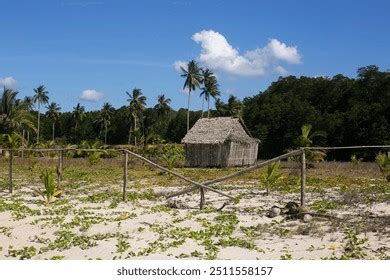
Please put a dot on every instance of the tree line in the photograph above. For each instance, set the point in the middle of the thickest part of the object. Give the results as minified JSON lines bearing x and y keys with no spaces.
{"x":349,"y":111}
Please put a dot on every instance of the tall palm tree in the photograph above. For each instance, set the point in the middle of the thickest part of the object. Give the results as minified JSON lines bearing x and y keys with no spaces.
{"x":29,"y":103}
{"x":105,"y":119}
{"x":53,"y":112}
{"x":78,"y":115}
{"x":193,"y":80}
{"x":162,"y":107}
{"x":210,"y":89}
{"x":41,"y":98}
{"x":137,"y":103}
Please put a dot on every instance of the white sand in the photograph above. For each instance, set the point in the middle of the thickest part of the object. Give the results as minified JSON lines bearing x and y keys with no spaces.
{"x":274,"y":238}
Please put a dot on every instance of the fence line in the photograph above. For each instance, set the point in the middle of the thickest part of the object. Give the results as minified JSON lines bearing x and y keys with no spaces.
{"x":126,"y":152}
{"x":240,"y":172}
{"x":347,"y":147}
{"x":197,"y":185}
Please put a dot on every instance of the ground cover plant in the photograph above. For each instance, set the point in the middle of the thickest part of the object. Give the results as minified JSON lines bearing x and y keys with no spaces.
{"x":90,"y":221}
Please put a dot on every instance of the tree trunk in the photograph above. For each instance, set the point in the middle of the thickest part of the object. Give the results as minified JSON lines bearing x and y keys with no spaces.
{"x":208,"y":108}
{"x":202,"y":105}
{"x":53,"y":131}
{"x":39,"y":120}
{"x":188,"y":109}
{"x":23,"y":140}
{"x":135,"y":128}
{"x":129,"y":139}
{"x":105,"y":134}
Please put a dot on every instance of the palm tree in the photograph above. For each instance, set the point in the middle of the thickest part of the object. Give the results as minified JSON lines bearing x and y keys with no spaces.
{"x":193,"y":80}
{"x":105,"y":119}
{"x":53,"y":112}
{"x":210,"y":89}
{"x":78,"y":115}
{"x":14,"y":115}
{"x":8,"y":99}
{"x":29,"y":102}
{"x":162,"y":110}
{"x":272,"y":175}
{"x":306,"y":138}
{"x":234,"y":106}
{"x":162,"y":107}
{"x":137,"y":103}
{"x":41,"y":98}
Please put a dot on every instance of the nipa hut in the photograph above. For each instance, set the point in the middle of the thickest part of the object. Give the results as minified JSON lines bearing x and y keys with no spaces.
{"x":219,"y":142}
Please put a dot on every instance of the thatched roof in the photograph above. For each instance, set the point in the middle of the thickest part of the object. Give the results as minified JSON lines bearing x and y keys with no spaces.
{"x":218,"y":130}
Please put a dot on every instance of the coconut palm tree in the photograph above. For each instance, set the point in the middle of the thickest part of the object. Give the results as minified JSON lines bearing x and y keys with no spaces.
{"x":137,"y":103}
{"x":8,"y":100}
{"x":193,"y":80}
{"x":105,"y":119}
{"x":306,"y":140}
{"x":53,"y":112}
{"x":78,"y":115}
{"x":210,"y":89}
{"x":29,"y":103}
{"x":307,"y":136}
{"x":162,"y":110}
{"x":234,"y":106}
{"x":162,"y":107}
{"x":14,"y":114}
{"x":41,"y":98}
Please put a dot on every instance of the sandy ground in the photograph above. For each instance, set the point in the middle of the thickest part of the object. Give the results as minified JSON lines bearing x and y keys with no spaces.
{"x":82,"y":227}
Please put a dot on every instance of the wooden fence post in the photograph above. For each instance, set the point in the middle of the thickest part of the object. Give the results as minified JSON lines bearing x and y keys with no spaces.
{"x":202,"y":198}
{"x":11,"y":159}
{"x":303,"y":177}
{"x":125,"y":174}
{"x":60,"y":165}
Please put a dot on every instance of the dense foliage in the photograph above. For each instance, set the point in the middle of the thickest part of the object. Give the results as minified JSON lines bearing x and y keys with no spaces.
{"x":343,"y":111}
{"x":350,"y":111}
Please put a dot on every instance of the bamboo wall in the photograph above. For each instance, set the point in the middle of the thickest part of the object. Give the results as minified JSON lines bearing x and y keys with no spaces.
{"x":220,"y":155}
{"x":242,"y":154}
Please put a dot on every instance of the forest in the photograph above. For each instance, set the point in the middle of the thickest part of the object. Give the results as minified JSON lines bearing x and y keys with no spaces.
{"x":350,"y":111}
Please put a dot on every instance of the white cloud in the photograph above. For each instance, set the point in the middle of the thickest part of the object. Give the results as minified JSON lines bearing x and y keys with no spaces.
{"x":282,"y":52}
{"x":281,"y":71}
{"x":91,"y":95}
{"x":178,"y":64}
{"x":7,"y":82}
{"x":218,"y":54}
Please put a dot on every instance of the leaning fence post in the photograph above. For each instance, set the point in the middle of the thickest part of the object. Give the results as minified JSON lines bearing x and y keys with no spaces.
{"x":303,"y":176}
{"x":11,"y":159}
{"x":202,"y":198}
{"x":125,"y":174}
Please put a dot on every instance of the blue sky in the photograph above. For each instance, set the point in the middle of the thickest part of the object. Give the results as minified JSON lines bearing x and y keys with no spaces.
{"x":110,"y":47}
